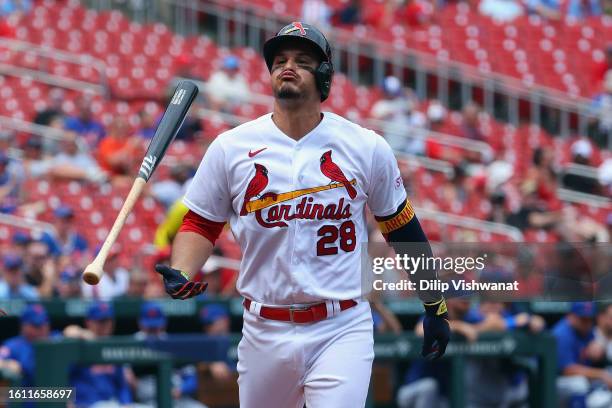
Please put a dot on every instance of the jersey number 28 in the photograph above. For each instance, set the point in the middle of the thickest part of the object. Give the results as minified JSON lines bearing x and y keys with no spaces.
{"x":329,"y":235}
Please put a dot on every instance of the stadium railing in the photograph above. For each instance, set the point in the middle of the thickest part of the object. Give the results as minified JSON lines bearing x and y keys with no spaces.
{"x":187,"y":348}
{"x":24,"y":223}
{"x":41,"y":72}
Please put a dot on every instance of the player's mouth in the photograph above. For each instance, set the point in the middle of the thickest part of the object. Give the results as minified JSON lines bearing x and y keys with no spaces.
{"x":287,"y":75}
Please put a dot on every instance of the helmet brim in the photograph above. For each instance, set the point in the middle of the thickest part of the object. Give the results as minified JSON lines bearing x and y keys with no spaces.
{"x":272,"y":46}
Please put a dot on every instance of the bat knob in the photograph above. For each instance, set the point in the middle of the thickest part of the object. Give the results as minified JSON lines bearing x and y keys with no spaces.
{"x":92,"y":274}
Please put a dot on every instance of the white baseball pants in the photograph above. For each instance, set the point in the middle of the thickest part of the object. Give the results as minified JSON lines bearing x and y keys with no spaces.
{"x":326,"y":364}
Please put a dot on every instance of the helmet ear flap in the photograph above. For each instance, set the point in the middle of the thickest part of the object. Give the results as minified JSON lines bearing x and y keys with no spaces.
{"x":323,"y":77}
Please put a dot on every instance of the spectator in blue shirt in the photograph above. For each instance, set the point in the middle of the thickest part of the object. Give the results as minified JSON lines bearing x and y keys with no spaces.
{"x":152,"y":325}
{"x":148,"y":124}
{"x":17,"y":353}
{"x":549,"y":9}
{"x":84,"y":123}
{"x":580,"y":9}
{"x":12,"y":283}
{"x":67,"y":241}
{"x":578,"y":375}
{"x":492,"y":382}
{"x":8,"y":7}
{"x":104,"y":384}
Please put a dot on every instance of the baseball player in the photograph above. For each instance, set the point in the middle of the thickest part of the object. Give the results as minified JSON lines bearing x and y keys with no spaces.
{"x":294,"y":185}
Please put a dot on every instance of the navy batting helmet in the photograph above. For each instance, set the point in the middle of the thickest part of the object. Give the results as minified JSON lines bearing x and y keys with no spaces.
{"x":309,"y":34}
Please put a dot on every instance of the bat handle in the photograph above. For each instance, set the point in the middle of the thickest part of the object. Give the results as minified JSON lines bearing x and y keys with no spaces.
{"x":93,"y":272}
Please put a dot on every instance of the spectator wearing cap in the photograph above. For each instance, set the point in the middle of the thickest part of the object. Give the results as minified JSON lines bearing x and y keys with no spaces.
{"x":84,"y":123}
{"x":397,"y":109}
{"x":582,"y":152}
{"x":100,"y":319}
{"x":12,"y":282}
{"x":17,"y":353}
{"x":113,"y":283}
{"x":104,"y":384}
{"x":577,"y":372}
{"x":20,"y":241}
{"x":215,"y":319}
{"x":215,"y":322}
{"x":68,"y":286}
{"x":66,"y":241}
{"x":227,"y":88}
{"x":152,"y":324}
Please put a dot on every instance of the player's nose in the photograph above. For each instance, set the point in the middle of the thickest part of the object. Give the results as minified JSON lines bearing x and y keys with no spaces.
{"x":289,"y":64}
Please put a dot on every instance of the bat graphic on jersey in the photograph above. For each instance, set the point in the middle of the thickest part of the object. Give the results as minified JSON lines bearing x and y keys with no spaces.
{"x":256,"y":186}
{"x":168,"y":127}
{"x":266,"y":202}
{"x":332,"y":171}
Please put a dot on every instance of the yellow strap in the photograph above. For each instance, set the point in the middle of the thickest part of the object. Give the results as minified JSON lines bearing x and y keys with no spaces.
{"x":399,"y":220}
{"x":441,"y":306}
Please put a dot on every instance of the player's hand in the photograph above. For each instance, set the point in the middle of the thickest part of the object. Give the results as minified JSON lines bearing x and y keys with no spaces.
{"x":177,"y":284}
{"x":436,"y":330}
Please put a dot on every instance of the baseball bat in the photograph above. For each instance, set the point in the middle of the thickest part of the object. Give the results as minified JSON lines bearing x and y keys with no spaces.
{"x":166,"y":131}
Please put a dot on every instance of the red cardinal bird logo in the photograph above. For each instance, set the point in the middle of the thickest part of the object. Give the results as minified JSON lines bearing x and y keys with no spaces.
{"x":256,"y":186}
{"x":331,"y":170}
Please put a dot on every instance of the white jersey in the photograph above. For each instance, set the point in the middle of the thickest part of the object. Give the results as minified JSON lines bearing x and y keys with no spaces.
{"x":297,"y":208}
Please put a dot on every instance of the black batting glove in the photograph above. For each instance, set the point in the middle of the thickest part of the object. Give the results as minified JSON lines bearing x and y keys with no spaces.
{"x":177,"y":284}
{"x":436,"y":330}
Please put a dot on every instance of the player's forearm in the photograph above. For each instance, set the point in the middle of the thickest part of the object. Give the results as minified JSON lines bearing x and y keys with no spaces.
{"x":190,"y":251}
{"x":403,"y":232}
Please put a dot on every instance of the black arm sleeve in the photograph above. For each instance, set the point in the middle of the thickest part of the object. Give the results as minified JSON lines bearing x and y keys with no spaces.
{"x":410,"y":241}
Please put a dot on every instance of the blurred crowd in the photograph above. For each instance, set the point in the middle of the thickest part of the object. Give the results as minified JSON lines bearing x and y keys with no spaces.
{"x":584,"y":358}
{"x":486,"y":184}
{"x":383,"y":13}
{"x":108,"y":385}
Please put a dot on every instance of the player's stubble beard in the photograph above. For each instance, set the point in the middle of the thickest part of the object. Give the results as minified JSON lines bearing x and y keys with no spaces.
{"x":288,"y":94}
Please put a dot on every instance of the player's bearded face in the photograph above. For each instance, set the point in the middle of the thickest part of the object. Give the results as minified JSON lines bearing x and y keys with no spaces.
{"x":293,"y":73}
